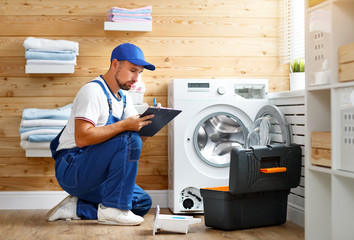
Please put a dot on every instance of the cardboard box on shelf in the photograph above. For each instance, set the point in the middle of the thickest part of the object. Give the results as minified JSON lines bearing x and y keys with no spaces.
{"x":321,"y":149}
{"x":315,"y":2}
{"x":346,"y":63}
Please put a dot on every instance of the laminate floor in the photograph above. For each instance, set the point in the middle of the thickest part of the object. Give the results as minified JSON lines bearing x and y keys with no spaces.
{"x":30,"y":224}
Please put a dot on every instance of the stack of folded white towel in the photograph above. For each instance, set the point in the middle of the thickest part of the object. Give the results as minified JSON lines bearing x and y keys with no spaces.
{"x":40,"y":126}
{"x":117,"y":14}
{"x":40,"y":51}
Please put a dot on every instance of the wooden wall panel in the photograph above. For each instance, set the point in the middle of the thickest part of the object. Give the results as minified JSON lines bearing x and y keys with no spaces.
{"x":166,"y":26}
{"x":190,"y":39}
{"x":172,"y":46}
{"x":224,"y":8}
{"x":41,"y":183}
{"x":210,"y":67}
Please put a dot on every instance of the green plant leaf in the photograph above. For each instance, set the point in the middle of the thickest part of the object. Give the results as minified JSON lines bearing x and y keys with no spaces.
{"x":297,"y":65}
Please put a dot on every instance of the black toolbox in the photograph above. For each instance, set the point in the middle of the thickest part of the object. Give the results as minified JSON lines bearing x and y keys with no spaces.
{"x":259,"y":185}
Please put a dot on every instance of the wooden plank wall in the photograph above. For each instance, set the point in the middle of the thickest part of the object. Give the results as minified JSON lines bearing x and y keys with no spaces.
{"x":190,"y":39}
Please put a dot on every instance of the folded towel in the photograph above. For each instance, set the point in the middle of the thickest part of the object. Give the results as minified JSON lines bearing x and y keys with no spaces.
{"x":24,"y":136}
{"x":51,"y":45}
{"x":34,"y":145}
{"x":27,"y":129}
{"x":41,"y":137}
{"x":128,"y":17}
{"x":43,"y":123}
{"x":50,"y":62}
{"x":112,"y":14}
{"x":50,"y":51}
{"x":147,"y":9}
{"x":127,"y":20}
{"x":62,"y":113}
{"x":50,"y":56}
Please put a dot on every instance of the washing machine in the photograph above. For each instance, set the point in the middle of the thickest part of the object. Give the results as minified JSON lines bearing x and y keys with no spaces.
{"x":216,"y":117}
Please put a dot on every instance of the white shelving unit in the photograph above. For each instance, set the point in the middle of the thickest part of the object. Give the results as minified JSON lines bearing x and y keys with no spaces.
{"x":329,"y":192}
{"x":128,"y":26}
{"x":38,"y":153}
{"x":40,"y":69}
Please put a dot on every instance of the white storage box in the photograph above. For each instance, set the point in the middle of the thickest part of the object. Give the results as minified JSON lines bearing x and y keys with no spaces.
{"x":347,"y":139}
{"x":320,"y":46}
{"x":137,"y":93}
{"x":138,"y":97}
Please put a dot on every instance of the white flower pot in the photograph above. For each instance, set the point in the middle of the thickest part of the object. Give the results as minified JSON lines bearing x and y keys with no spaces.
{"x":297,"y":81}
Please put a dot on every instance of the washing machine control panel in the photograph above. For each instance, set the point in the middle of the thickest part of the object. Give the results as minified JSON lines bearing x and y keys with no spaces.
{"x":205,"y":87}
{"x":218,"y":89}
{"x":221,"y":90}
{"x":198,"y":87}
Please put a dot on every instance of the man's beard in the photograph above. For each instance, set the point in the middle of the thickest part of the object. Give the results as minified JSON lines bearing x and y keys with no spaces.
{"x":123,"y":86}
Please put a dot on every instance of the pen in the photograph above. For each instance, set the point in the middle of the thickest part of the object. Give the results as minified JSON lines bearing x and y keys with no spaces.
{"x":155,"y":103}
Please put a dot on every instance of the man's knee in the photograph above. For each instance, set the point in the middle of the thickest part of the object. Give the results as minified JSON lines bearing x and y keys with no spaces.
{"x":128,"y":139}
{"x":135,"y":140}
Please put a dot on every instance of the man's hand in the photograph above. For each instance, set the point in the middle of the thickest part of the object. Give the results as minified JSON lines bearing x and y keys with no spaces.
{"x":135,"y":123}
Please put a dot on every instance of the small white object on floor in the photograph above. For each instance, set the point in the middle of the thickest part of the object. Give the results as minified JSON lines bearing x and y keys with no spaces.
{"x":172,"y":223}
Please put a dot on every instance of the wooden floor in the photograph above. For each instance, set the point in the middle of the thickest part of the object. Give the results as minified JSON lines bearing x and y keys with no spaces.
{"x":30,"y":224}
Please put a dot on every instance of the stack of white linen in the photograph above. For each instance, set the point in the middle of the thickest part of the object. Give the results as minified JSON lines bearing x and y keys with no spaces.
{"x":40,"y":51}
{"x":40,"y":126}
{"x":117,"y":14}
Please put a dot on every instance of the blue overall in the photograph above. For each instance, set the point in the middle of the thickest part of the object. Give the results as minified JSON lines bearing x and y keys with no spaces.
{"x":103,"y":173}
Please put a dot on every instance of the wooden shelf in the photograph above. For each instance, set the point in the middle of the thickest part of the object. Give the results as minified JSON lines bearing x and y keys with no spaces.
{"x":128,"y":26}
{"x":38,"y":69}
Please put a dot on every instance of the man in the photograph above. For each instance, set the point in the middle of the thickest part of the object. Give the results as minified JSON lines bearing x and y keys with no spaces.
{"x":98,"y":151}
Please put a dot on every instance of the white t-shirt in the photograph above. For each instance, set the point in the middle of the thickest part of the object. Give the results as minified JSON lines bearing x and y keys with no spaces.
{"x":91,"y":104}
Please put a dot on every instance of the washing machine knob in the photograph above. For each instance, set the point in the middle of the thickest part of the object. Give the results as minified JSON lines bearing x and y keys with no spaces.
{"x":188,"y":203}
{"x":221,"y":90}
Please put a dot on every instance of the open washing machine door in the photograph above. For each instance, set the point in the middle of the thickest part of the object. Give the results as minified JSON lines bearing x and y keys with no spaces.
{"x":216,"y":135}
{"x":270,"y":127}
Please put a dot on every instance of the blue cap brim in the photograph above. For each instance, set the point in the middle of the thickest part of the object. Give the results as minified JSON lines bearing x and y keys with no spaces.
{"x":143,"y":63}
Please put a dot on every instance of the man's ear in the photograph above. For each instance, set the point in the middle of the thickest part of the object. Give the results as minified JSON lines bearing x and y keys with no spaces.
{"x":115,"y":63}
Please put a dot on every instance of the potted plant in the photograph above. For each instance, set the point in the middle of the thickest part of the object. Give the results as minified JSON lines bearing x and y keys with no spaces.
{"x":297,"y":74}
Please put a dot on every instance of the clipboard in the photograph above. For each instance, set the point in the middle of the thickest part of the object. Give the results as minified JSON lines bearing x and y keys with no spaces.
{"x":162,"y":117}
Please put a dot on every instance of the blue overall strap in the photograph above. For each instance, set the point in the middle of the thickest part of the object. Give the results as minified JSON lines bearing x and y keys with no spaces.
{"x":109,"y":99}
{"x":124,"y":100}
{"x":55,"y":143}
{"x":106,"y":93}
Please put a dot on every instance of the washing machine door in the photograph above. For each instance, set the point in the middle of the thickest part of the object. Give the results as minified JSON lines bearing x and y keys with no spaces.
{"x":270,"y":127}
{"x":216,"y":135}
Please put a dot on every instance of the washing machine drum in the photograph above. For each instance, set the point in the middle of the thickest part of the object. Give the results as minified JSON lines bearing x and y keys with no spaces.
{"x":216,"y":135}
{"x":270,"y":127}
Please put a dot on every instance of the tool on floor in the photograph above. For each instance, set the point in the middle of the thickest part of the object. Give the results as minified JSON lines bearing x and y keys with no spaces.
{"x":172,"y":223}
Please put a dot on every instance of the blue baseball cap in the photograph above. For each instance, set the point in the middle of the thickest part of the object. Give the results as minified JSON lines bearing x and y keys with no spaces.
{"x":131,"y":53}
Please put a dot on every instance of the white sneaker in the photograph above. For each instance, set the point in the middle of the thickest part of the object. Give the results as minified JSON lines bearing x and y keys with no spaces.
{"x":65,"y":210}
{"x":115,"y":216}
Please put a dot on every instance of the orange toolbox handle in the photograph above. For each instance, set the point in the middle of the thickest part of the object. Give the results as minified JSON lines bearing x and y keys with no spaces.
{"x":273,"y":170}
